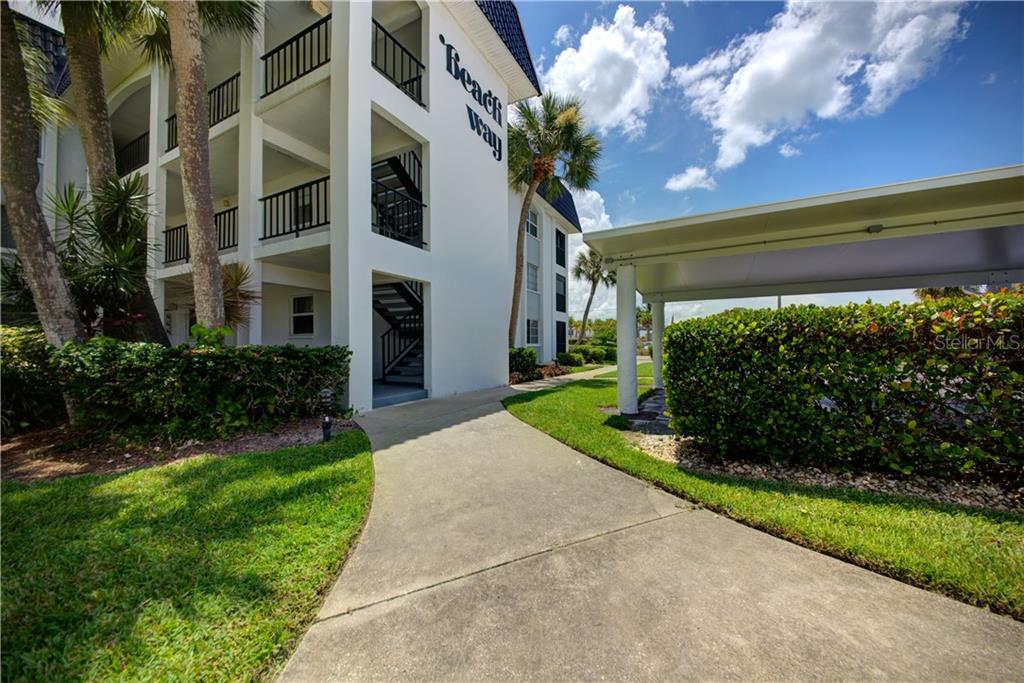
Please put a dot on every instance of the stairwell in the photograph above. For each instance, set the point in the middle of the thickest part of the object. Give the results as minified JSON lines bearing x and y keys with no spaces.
{"x":400,"y":304}
{"x":397,"y":198}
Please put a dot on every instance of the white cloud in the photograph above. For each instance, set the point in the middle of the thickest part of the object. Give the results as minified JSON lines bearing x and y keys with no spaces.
{"x":991,"y":78}
{"x":827,"y":60}
{"x":593,"y":216}
{"x":563,"y":36}
{"x":692,"y":178}
{"x":788,"y":150}
{"x":616,"y":69}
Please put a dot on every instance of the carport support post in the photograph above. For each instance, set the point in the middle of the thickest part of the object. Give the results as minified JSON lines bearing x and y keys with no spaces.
{"x":657,"y":332}
{"x":625,"y":332}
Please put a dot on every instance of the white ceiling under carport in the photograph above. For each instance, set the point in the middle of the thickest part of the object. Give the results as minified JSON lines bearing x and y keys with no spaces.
{"x":961,"y":229}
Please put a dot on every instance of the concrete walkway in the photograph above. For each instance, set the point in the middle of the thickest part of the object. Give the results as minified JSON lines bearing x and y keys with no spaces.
{"x":495,"y":552}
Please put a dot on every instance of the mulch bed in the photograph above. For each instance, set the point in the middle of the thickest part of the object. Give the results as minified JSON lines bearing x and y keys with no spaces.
{"x":61,"y":451}
{"x":684,"y":453}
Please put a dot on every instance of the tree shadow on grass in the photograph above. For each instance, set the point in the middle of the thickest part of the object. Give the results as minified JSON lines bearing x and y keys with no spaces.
{"x":105,"y":572}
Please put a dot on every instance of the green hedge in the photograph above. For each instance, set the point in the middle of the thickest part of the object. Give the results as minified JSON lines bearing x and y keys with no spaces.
{"x":30,"y":396}
{"x":572,"y":360}
{"x":184,"y":392}
{"x":934,"y":387}
{"x":522,"y":360}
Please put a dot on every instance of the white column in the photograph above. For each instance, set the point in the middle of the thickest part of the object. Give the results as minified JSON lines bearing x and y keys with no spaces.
{"x":156,"y":177}
{"x":351,"y":276}
{"x":250,"y":177}
{"x":657,"y":332}
{"x":625,"y":327}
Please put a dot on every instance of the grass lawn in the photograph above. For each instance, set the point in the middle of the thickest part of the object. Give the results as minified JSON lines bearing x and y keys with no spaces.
{"x":642,"y":370}
{"x":582,"y":368}
{"x":974,"y":555}
{"x":209,"y":568}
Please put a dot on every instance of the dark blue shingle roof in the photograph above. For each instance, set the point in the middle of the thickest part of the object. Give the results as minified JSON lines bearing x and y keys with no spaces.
{"x":563,"y":205}
{"x":504,"y":17}
{"x":51,"y":44}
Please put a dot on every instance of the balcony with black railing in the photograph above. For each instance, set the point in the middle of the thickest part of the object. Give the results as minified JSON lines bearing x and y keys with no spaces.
{"x":133,"y":155}
{"x":222,"y":102}
{"x":176,"y":238}
{"x":397,"y":63}
{"x":297,"y":209}
{"x":297,"y":56}
{"x":397,"y":214}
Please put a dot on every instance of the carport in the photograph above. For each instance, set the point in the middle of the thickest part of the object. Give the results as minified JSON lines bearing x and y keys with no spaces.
{"x":963,"y":229}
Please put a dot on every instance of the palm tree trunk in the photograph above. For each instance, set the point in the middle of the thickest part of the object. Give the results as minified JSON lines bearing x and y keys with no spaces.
{"x":586,"y":311}
{"x":84,"y":62}
{"x":19,"y":176}
{"x":85,"y":67}
{"x":517,"y":283}
{"x":193,"y":141}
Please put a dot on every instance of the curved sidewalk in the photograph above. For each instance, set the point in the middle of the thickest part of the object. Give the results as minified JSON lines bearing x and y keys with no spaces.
{"x":495,"y":552}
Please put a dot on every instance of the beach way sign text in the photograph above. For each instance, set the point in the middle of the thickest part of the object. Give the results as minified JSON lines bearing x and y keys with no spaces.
{"x":488,"y":100}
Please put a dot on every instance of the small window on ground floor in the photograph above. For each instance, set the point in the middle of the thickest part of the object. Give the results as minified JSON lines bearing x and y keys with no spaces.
{"x":302,"y":315}
{"x":532,"y":331}
{"x":560,"y":336}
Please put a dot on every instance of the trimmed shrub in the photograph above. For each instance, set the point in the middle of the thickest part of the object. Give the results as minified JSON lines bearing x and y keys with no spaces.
{"x":608,"y":355}
{"x":591,"y":354}
{"x":522,"y":360}
{"x":30,"y":396}
{"x":201,"y":392}
{"x":935,"y":387}
{"x":571,"y":360}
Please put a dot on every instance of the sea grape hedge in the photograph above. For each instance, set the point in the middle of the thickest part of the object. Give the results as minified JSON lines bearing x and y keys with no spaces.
{"x":934,"y":387}
{"x":202,"y":392}
{"x":30,"y":396}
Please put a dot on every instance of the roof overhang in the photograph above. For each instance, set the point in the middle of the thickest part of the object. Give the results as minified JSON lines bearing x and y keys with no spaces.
{"x":563,"y":224}
{"x":473,"y":21}
{"x":960,"y":229}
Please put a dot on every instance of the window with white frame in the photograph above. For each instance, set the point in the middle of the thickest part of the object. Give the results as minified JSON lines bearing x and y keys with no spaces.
{"x":533,"y":224}
{"x":532,"y":332}
{"x":532,"y":277}
{"x":302,"y":316}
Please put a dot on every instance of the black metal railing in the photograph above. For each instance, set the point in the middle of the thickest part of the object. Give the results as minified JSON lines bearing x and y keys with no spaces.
{"x":176,"y":244}
{"x":399,"y":340}
{"x":296,"y":209}
{"x":133,"y":155}
{"x":297,"y":56}
{"x":396,"y":214}
{"x":398,"y":65}
{"x":410,"y":161}
{"x":176,"y":238}
{"x":222,"y":102}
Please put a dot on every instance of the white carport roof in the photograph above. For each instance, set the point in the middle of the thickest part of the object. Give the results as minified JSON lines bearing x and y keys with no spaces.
{"x":953,"y":230}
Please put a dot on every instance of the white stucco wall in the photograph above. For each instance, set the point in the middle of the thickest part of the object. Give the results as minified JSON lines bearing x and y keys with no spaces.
{"x":465,"y":265}
{"x":277,"y":311}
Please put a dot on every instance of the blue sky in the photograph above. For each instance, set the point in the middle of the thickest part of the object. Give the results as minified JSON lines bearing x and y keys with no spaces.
{"x":707,"y":106}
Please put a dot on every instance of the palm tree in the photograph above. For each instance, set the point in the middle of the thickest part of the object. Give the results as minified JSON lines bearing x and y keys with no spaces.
{"x":91,"y":29}
{"x":644,"y":318}
{"x":86,"y":27}
{"x":193,"y":141}
{"x":589,"y":267}
{"x":547,"y":143}
{"x":19,"y":175}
